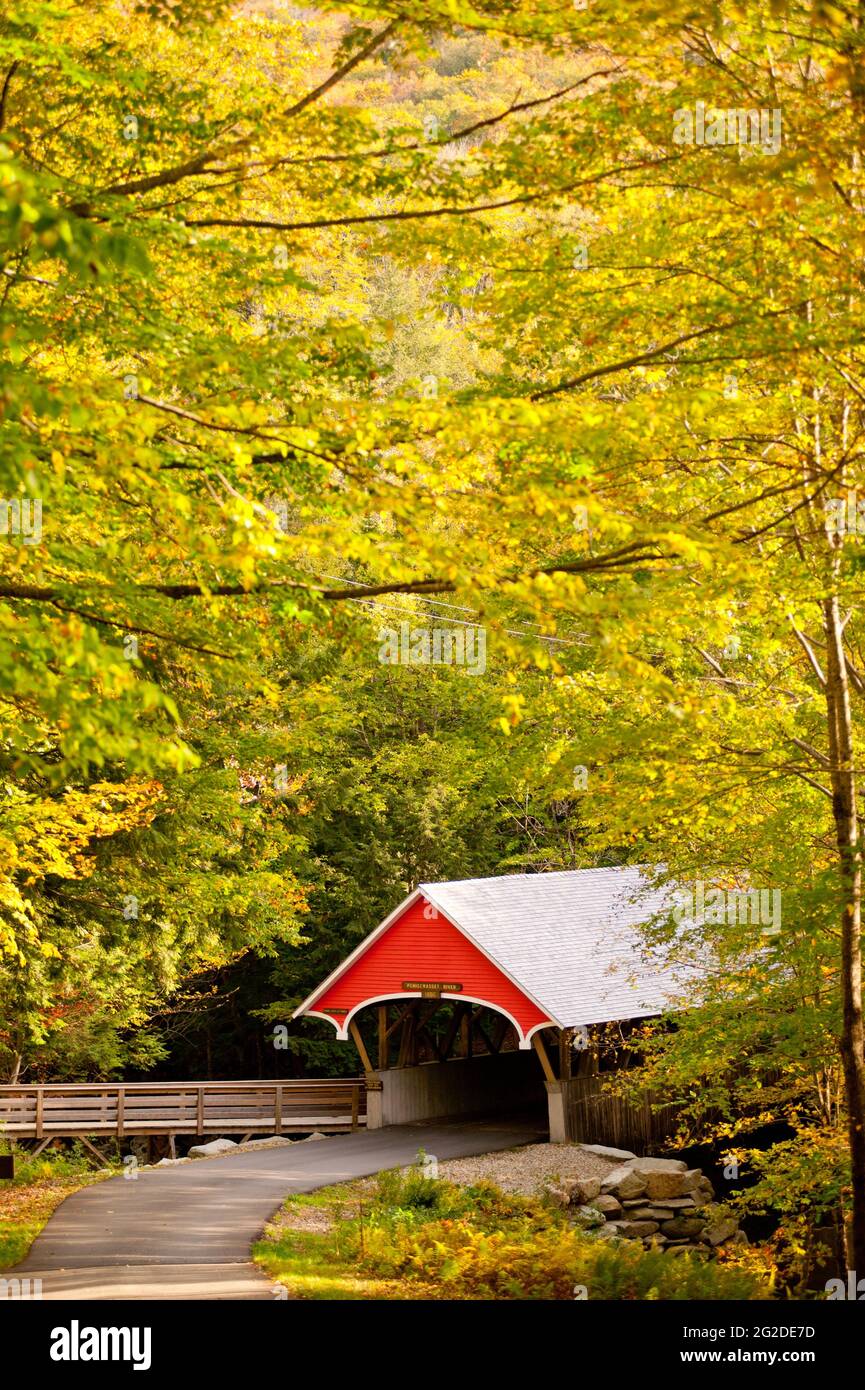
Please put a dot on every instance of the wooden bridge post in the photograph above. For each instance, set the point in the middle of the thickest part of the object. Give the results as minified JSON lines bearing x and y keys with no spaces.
{"x":557,"y":1098}
{"x":374,"y":1100}
{"x":383,"y":1037}
{"x":538,"y":1045}
{"x":566,"y":1038}
{"x":359,"y":1044}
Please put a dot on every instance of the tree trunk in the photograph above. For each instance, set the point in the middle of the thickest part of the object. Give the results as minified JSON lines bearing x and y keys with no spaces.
{"x":849,"y":851}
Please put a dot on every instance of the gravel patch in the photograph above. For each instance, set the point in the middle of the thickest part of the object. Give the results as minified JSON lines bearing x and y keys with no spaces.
{"x":526,"y":1169}
{"x":302,"y":1217}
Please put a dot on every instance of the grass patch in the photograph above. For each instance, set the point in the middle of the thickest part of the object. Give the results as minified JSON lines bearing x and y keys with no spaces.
{"x":406,"y":1236}
{"x":309,"y":1247}
{"x":38,"y":1188}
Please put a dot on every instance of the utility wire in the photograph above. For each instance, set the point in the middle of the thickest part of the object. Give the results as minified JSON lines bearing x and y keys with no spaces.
{"x":459,"y":608}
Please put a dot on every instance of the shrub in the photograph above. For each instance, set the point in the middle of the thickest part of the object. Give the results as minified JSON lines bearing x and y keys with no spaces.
{"x":481,"y":1243}
{"x":70,"y":1162}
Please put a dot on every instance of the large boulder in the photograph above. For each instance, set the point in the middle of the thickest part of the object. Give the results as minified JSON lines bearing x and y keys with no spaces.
{"x":660,"y":1186}
{"x":214,"y":1146}
{"x":682,"y":1227}
{"x":602,"y":1151}
{"x":698,"y":1185}
{"x":636,"y":1230}
{"x":273,"y":1141}
{"x":589,"y":1218}
{"x":584,"y":1190}
{"x":720,"y":1230}
{"x":665,"y":1177}
{"x":659,"y":1165}
{"x":608,"y":1204}
{"x":644,"y":1213}
{"x":623,"y":1182}
{"x":558,"y":1194}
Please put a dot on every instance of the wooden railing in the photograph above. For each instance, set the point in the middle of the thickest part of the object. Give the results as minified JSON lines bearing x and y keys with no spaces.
{"x":181,"y":1107}
{"x":595,"y":1116}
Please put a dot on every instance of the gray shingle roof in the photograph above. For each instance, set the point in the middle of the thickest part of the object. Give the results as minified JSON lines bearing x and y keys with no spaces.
{"x":569,"y":939}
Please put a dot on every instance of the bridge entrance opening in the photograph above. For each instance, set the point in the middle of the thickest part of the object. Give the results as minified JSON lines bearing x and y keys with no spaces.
{"x":430,"y":1057}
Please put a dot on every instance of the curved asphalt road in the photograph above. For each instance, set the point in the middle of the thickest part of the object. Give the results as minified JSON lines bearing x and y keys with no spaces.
{"x":186,"y":1232}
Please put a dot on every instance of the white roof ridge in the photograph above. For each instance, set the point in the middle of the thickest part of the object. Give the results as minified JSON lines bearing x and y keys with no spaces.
{"x":642,"y":869}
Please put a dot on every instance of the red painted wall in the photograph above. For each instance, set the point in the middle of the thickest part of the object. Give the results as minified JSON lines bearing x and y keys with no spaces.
{"x":423,"y":949}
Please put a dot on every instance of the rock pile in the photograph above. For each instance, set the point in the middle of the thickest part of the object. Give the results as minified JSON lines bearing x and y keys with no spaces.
{"x":660,"y":1201}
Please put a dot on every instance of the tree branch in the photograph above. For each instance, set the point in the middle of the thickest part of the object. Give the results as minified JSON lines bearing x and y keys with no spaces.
{"x":375,"y":42}
{"x":13,"y":68}
{"x":809,"y":652}
{"x":715,"y":666}
{"x":636,"y":553}
{"x":410,"y":215}
{"x":814,"y":752}
{"x":650,"y":354}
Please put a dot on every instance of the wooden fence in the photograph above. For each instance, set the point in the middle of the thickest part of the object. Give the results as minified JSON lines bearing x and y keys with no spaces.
{"x":594,"y":1116}
{"x":181,"y":1107}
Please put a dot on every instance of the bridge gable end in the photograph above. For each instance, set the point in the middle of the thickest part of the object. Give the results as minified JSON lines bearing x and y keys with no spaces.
{"x":422,"y":954}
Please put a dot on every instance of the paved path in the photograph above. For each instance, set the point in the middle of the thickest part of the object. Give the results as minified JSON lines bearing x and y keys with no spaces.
{"x":186,"y":1232}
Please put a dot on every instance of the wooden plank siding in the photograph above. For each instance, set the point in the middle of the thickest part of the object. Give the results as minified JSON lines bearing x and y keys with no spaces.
{"x":593,"y":1115}
{"x":183,"y":1107}
{"x":417,"y":947}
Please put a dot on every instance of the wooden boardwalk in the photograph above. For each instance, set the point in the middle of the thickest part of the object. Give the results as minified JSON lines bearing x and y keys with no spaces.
{"x":126,"y":1109}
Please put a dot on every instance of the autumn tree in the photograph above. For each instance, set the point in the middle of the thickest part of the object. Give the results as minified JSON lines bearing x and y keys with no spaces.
{"x":236,"y":251}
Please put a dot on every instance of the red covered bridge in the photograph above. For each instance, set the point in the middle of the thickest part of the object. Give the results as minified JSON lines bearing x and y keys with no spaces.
{"x":456,"y":989}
